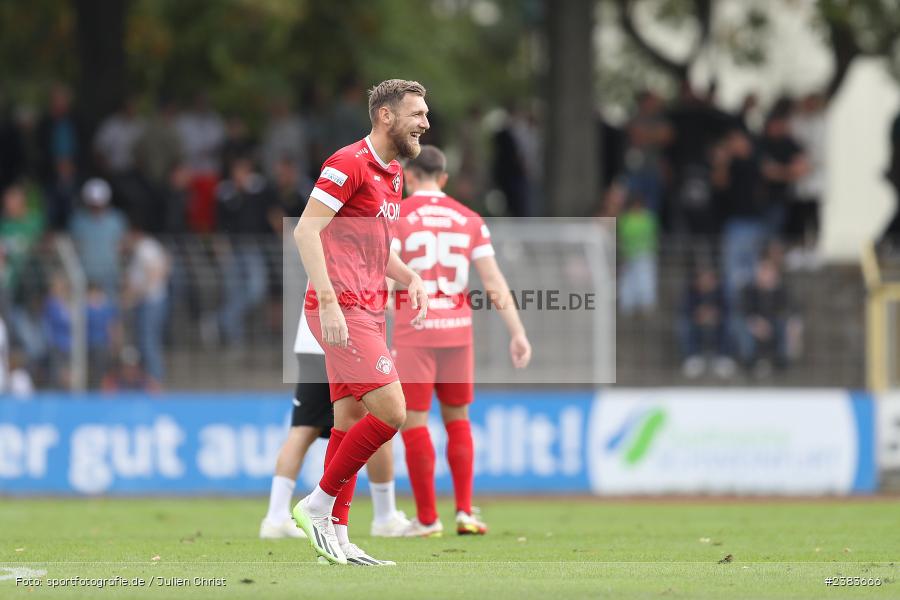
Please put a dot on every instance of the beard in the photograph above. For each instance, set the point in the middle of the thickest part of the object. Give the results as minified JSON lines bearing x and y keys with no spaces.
{"x":401,"y":140}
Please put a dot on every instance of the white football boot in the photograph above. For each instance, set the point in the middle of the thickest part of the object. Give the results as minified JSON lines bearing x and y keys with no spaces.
{"x":417,"y":529}
{"x":320,"y":531}
{"x":469,"y":524}
{"x":357,"y":556}
{"x":276,"y":531}
{"x":393,"y":527}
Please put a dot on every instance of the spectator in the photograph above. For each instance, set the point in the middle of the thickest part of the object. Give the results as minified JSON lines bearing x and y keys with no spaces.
{"x":158,"y":150}
{"x":57,"y":324}
{"x":238,"y":141}
{"x":516,"y":163}
{"x":21,"y":385}
{"x":14,"y":380}
{"x":292,"y":190}
{"x":703,"y":326}
{"x":696,"y":126}
{"x":116,"y":140}
{"x":348,"y":116}
{"x":127,"y":375}
{"x":613,"y":201}
{"x":285,"y":136}
{"x":748,"y":115}
{"x":147,"y":291}
{"x":27,"y":323}
{"x":115,"y":147}
{"x":176,"y":196}
{"x":103,"y":333}
{"x":809,"y":127}
{"x":97,"y":232}
{"x":59,"y":157}
{"x":737,"y":178}
{"x":767,"y":322}
{"x":158,"y":154}
{"x":525,"y":129}
{"x":637,"y":237}
{"x":244,"y":205}
{"x":4,"y":358}
{"x":202,"y":134}
{"x":317,"y":103}
{"x":648,"y":134}
{"x":21,"y":227}
{"x":612,"y":141}
{"x":783,"y":165}
{"x":12,"y":149}
{"x":472,"y":178}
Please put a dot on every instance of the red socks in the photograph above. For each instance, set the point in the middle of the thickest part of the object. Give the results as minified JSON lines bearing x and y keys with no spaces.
{"x":351,"y":451}
{"x":461,"y":457}
{"x":341,"y":510}
{"x":420,"y":464}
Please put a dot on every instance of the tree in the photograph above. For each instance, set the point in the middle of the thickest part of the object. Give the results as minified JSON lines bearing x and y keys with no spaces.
{"x":851,"y":28}
{"x":701,"y":10}
{"x":100,"y":29}
{"x":860,"y":28}
{"x":571,"y":149}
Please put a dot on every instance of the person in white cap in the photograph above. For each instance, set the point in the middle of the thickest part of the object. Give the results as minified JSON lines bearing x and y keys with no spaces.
{"x":98,"y":230}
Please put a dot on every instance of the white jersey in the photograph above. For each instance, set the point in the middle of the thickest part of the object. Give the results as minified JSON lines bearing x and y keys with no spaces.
{"x":305,"y":342}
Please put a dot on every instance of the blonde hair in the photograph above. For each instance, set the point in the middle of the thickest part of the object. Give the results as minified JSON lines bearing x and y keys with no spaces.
{"x":390,"y":92}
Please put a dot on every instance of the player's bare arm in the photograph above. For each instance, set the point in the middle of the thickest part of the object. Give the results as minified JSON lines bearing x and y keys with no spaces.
{"x":403,"y":275}
{"x":314,"y":219}
{"x":498,"y":290}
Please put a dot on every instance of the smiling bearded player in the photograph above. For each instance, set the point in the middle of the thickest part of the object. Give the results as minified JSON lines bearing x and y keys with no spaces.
{"x":344,"y":237}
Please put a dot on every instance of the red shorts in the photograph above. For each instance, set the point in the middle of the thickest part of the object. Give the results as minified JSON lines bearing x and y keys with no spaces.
{"x":423,"y":371}
{"x":364,"y":365}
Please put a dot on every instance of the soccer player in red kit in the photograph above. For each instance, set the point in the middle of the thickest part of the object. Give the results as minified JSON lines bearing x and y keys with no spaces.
{"x":344,"y":238}
{"x":438,"y":237}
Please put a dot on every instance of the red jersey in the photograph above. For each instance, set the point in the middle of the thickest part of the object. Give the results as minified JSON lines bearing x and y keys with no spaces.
{"x":365,"y":192}
{"x":438,"y":238}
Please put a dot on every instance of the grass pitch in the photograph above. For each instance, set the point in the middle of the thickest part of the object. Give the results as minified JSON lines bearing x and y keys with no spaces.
{"x":560,"y":548}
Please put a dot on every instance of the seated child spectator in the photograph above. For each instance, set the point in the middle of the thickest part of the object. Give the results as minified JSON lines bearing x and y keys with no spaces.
{"x":703,"y":326}
{"x":767,"y":322}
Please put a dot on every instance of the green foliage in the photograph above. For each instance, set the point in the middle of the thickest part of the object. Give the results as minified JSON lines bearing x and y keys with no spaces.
{"x":37,"y":46}
{"x":244,"y":51}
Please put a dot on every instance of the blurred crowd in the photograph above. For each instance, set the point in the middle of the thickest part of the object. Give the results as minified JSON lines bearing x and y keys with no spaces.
{"x":149,"y":174}
{"x":746,"y":191}
{"x":142,"y":177}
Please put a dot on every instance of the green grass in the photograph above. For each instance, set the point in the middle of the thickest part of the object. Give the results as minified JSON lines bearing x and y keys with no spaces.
{"x":536,"y":549}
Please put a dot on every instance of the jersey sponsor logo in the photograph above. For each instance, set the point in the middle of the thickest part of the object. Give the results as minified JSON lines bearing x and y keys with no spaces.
{"x":384,"y":365}
{"x":389,"y":210}
{"x":334,"y":175}
{"x":396,"y":182}
{"x":377,"y":177}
